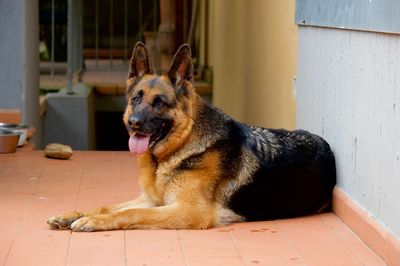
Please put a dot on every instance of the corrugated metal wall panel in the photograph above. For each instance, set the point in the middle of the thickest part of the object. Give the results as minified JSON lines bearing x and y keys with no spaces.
{"x":365,"y":15}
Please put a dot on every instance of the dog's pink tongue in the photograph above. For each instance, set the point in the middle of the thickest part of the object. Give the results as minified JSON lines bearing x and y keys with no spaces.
{"x":138,"y":145}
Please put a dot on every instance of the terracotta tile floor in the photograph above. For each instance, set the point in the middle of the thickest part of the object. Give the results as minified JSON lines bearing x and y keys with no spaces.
{"x":32,"y":188}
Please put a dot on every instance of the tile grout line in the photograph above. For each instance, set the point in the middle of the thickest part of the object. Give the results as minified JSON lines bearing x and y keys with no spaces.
{"x":79,"y":186}
{"x":340,"y":241}
{"x":290,"y":243}
{"x":121,"y":173}
{"x":17,"y":231}
{"x":355,"y":236}
{"x":237,"y":249}
{"x":122,"y":186}
{"x":68,"y":248}
{"x":76,"y":206}
{"x":125,"y":254}
{"x":25,"y":213}
{"x":182,"y":249}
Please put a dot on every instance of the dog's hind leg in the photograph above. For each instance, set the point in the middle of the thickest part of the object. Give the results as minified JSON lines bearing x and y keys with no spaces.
{"x":65,"y":220}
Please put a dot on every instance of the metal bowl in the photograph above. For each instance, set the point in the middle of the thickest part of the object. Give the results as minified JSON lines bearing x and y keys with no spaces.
{"x":9,"y":140}
{"x":23,"y":129}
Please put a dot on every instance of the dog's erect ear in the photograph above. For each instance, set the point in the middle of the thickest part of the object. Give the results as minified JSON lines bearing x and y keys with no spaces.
{"x":181,"y":67}
{"x":140,"y":62}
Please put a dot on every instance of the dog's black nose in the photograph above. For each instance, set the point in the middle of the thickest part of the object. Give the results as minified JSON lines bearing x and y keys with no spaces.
{"x":135,"y":121}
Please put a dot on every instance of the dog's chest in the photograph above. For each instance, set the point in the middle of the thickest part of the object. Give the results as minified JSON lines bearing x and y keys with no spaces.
{"x":168,"y":180}
{"x":166,"y":183}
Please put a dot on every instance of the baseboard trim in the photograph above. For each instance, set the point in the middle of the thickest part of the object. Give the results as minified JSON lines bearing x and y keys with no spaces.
{"x":371,"y":232}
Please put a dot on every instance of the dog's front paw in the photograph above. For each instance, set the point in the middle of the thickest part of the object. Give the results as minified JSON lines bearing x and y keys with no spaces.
{"x":92,"y":223}
{"x":63,"y":221}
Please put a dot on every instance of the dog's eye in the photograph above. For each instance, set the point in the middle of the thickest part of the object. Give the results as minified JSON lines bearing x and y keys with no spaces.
{"x":136,"y":100}
{"x":158,"y":102}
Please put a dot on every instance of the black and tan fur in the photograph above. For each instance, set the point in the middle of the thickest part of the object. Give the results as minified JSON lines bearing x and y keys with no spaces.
{"x":205,"y":169}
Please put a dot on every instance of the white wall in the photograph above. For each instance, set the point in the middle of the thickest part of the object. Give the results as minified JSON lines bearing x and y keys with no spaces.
{"x":348,"y":91}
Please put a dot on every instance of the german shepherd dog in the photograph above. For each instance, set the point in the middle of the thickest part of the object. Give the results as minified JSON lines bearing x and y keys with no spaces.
{"x":199,"y":168}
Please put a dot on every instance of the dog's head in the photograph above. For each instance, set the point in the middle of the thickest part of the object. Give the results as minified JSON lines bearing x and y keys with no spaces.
{"x":159,"y":109}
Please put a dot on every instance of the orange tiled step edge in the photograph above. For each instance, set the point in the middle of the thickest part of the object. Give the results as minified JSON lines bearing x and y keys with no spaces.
{"x":372,"y":233}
